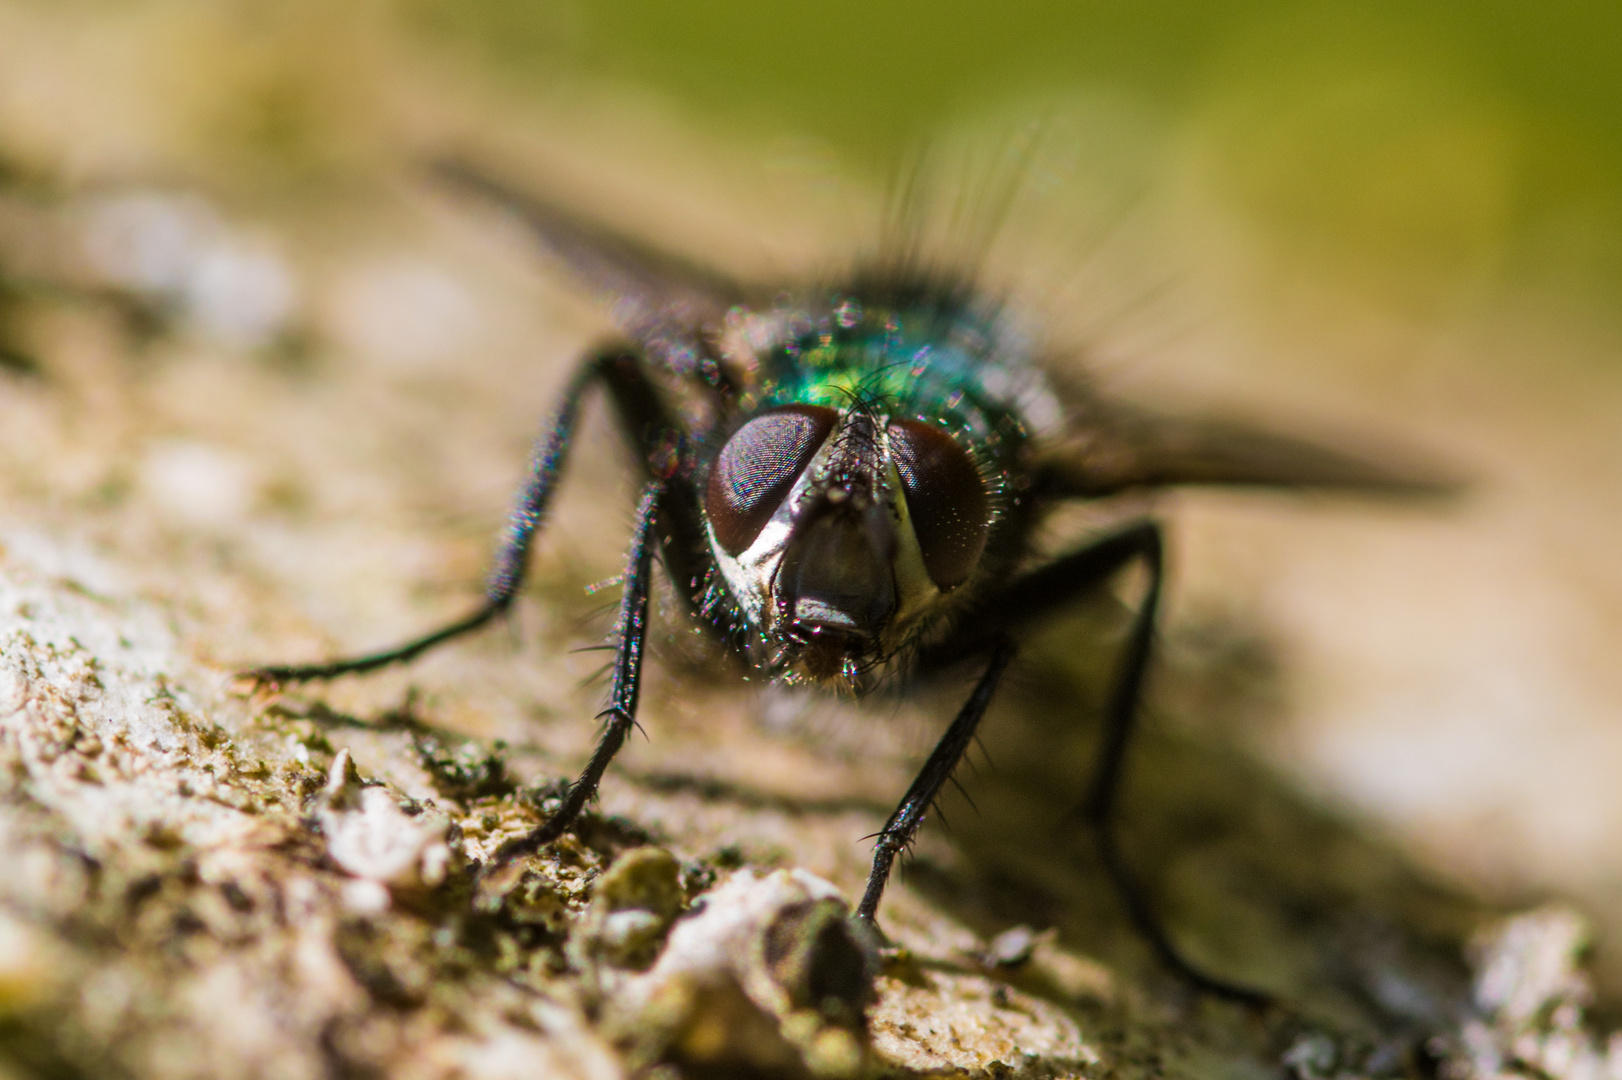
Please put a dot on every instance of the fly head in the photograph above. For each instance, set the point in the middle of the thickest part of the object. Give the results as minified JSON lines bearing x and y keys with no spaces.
{"x":838,"y":532}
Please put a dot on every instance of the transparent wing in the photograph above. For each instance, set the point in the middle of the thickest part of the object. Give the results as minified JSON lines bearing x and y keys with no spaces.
{"x":1119,"y":448}
{"x":658,"y":298}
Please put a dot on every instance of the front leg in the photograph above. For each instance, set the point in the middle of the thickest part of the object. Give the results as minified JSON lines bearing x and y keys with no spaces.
{"x":903,"y":824}
{"x":620,"y":716}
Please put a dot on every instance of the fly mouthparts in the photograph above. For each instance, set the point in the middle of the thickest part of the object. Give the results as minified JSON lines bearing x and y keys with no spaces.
{"x":815,"y":618}
{"x":826,"y":651}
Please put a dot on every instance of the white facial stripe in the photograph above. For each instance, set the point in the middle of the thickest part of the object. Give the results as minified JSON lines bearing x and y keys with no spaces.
{"x":751,"y":573}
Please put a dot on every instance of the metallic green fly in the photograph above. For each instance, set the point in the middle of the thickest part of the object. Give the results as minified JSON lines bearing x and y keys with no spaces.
{"x":844,"y":484}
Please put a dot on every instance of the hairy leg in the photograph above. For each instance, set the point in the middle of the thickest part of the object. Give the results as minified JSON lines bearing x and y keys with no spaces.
{"x":620,"y":716}
{"x":903,"y":824}
{"x":648,"y":427}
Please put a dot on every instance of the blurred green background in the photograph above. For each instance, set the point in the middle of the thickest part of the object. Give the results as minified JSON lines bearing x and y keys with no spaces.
{"x":864,"y":75}
{"x":1426,"y":158}
{"x":1411,"y":145}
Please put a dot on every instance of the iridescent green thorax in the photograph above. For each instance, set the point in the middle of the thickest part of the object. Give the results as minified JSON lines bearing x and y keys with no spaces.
{"x":933,"y":359}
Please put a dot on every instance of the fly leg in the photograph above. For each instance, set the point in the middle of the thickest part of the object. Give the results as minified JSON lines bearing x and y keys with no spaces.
{"x":620,"y":716}
{"x":507,"y":573}
{"x":1120,"y":718}
{"x":645,"y":423}
{"x":1041,"y":592}
{"x":667,"y":517}
{"x":903,"y":824}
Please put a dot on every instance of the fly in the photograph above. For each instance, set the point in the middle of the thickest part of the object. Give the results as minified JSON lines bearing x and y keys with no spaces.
{"x":844,"y":486}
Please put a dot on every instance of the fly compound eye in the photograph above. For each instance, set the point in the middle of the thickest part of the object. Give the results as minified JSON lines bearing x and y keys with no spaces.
{"x":758,"y":466}
{"x":946,"y":500}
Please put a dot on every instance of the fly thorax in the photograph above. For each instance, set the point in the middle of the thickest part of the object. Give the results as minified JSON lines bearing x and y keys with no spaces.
{"x":814,"y":518}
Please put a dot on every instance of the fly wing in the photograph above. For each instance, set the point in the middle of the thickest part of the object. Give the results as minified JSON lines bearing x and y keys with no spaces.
{"x":1122,"y":448}
{"x":657,"y":298}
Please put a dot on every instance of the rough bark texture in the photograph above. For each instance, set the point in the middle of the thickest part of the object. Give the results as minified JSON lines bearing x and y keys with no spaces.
{"x":203,"y":881}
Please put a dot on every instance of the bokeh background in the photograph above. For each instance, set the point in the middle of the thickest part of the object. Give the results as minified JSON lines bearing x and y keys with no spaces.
{"x":1399,"y":220}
